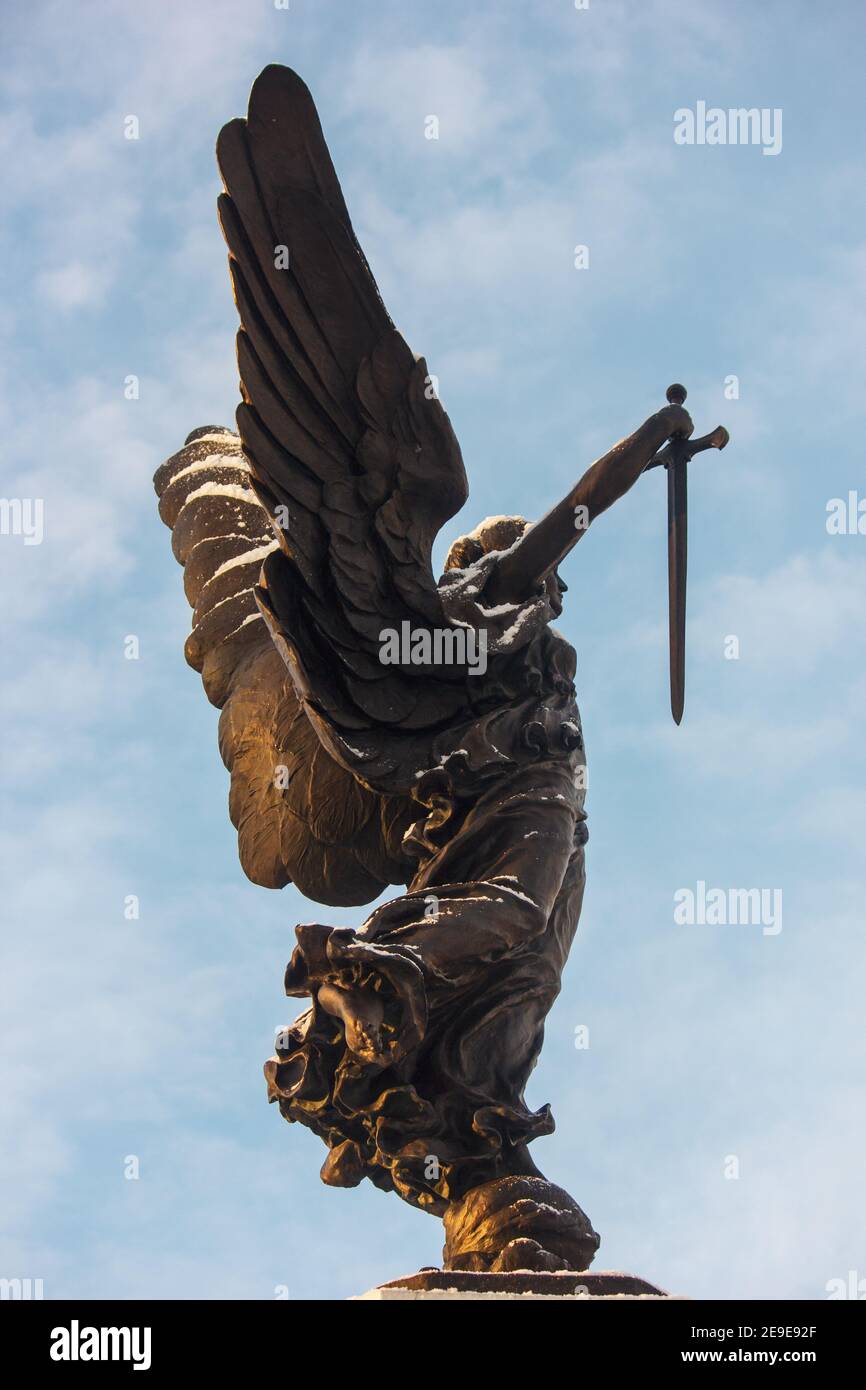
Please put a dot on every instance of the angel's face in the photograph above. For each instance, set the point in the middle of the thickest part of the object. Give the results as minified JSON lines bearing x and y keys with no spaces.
{"x":555,"y":587}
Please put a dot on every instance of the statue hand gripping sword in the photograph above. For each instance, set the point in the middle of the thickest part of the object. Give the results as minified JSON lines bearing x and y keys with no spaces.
{"x":529,"y":562}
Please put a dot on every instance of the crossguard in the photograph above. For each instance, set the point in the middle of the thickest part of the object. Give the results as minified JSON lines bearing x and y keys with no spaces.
{"x":681,"y":450}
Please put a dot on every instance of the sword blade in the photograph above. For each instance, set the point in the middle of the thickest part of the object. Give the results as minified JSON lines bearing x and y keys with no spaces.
{"x":677,"y":559}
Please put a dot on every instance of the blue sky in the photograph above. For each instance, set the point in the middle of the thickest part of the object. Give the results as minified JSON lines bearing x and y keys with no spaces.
{"x":707,"y":1042}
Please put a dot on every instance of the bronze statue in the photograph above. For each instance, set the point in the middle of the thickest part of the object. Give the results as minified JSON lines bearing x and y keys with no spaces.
{"x":383,"y":728}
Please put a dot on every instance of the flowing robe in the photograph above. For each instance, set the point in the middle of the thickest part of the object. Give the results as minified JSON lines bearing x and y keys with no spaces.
{"x":467,"y":962}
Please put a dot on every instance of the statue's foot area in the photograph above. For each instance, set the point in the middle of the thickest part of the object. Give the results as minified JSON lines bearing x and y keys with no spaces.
{"x":524,"y":1253}
{"x":518,"y":1223}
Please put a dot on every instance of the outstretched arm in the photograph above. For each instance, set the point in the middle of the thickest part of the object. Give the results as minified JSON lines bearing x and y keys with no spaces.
{"x":528,"y":563}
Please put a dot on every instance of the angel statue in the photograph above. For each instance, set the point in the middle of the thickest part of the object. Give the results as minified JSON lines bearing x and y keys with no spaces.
{"x":385,"y":727}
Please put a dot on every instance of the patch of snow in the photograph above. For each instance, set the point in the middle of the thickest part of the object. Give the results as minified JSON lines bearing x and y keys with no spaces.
{"x":246,"y":557}
{"x":212,"y":461}
{"x":212,"y":489}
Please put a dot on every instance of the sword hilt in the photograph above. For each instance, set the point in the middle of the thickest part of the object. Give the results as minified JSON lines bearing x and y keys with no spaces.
{"x":687,"y":448}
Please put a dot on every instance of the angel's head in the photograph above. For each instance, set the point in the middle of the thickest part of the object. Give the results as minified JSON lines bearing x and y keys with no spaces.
{"x":499,"y":533}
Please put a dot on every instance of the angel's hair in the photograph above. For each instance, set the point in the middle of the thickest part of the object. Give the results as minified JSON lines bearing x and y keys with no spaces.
{"x":493,"y":533}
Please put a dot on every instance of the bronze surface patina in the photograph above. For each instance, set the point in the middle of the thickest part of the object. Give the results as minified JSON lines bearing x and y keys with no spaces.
{"x":448,"y":767}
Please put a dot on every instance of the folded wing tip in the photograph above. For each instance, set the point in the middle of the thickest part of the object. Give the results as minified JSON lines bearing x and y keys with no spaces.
{"x":275,"y":83}
{"x":280,"y":82}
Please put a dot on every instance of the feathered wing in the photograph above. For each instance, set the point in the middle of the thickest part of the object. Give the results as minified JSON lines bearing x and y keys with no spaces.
{"x":345,"y":456}
{"x":350,"y":451}
{"x":300,"y":816}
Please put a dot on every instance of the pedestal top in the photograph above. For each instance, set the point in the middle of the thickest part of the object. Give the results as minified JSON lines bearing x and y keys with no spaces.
{"x":438,"y":1284}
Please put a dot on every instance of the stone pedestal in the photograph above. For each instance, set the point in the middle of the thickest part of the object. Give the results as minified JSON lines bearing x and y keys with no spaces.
{"x":437,"y":1284}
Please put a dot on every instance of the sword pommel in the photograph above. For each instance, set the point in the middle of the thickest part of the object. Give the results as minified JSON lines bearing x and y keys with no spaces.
{"x":676,"y":394}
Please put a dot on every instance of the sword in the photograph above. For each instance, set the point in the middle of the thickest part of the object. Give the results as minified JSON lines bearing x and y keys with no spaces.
{"x":675,"y":457}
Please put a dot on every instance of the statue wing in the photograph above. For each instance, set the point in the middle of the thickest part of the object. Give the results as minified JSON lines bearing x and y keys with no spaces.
{"x":300,"y":816}
{"x":349,"y":449}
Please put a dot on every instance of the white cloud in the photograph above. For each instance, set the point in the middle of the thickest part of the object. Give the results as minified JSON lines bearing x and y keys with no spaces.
{"x":395,"y":89}
{"x":72,"y":286}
